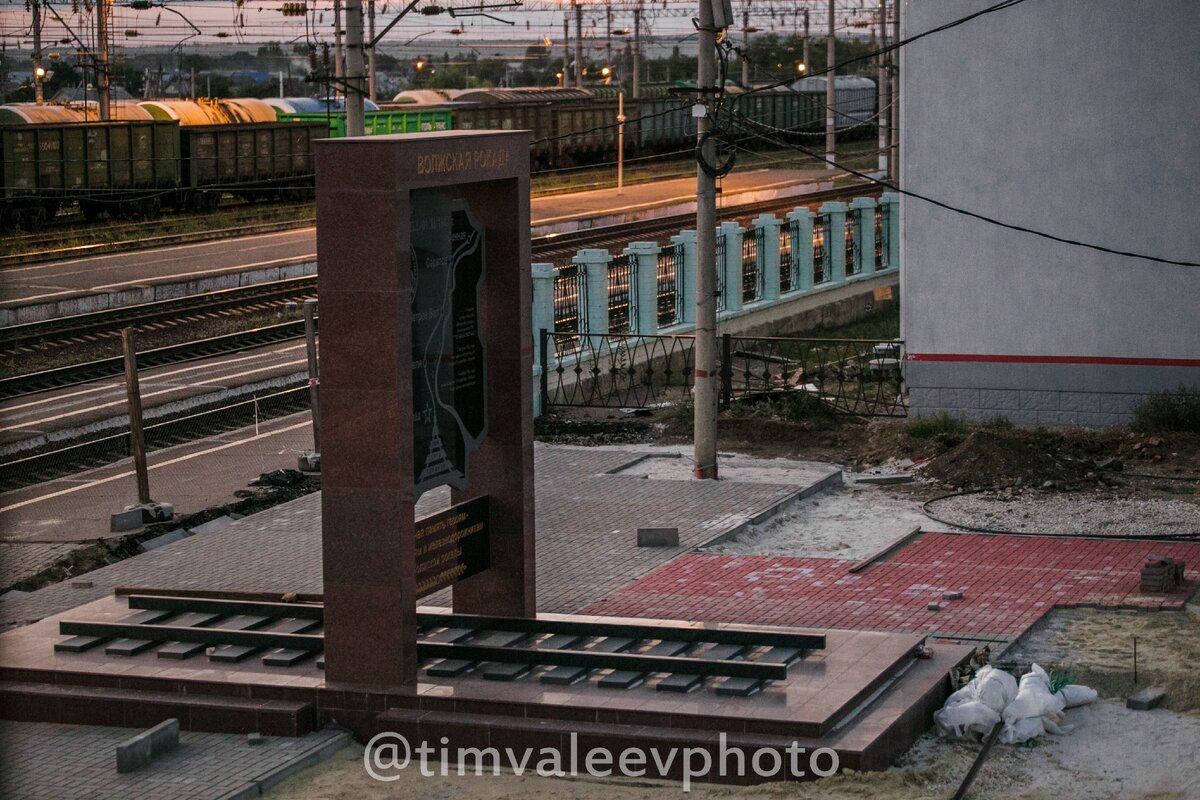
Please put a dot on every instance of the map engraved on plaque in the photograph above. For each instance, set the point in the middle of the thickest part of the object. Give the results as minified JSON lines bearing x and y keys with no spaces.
{"x":449,"y":380}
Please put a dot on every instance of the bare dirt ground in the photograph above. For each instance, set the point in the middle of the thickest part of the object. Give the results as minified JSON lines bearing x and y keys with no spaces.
{"x":1111,"y":754}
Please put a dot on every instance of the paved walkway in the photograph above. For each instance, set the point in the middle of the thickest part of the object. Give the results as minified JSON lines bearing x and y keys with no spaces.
{"x":1008,"y":583}
{"x":587,"y":524}
{"x":54,"y":762}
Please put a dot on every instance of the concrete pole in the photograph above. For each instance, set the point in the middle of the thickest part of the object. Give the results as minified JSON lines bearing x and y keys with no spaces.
{"x":133,"y":395}
{"x":706,"y":383}
{"x":807,"y":63}
{"x":608,"y":59}
{"x":578,"y":45}
{"x":830,"y":136}
{"x":371,"y":79}
{"x":355,"y":91}
{"x":637,"y":51}
{"x":566,"y":69}
{"x":314,"y":375}
{"x":745,"y":43}
{"x":895,"y":70}
{"x":37,"y":52}
{"x":102,"y":57}
{"x":883,"y":94}
{"x":620,"y":143}
{"x":338,"y":64}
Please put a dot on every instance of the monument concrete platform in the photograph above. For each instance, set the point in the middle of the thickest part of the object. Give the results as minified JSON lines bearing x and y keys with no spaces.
{"x":864,"y":694}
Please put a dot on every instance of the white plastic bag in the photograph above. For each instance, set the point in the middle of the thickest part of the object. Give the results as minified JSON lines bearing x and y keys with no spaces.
{"x":1022,"y":730}
{"x":995,"y":688}
{"x":962,"y":718}
{"x":1074,"y":694}
{"x":1033,"y":698}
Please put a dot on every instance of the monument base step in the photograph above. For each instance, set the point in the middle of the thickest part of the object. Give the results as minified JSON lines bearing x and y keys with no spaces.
{"x":130,"y":708}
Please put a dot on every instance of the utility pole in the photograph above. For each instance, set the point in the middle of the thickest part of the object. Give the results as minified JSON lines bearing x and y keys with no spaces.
{"x":745,"y":44}
{"x":637,"y":51}
{"x":102,"y":56}
{"x":883,"y":94}
{"x":566,"y":70}
{"x":578,"y":44}
{"x":807,"y":63}
{"x":894,"y":58}
{"x":830,"y":136}
{"x":133,"y":397}
{"x":339,"y":64}
{"x":704,"y":393}
{"x":355,"y":123}
{"x":608,"y":59}
{"x":371,"y":76}
{"x":38,"y":72}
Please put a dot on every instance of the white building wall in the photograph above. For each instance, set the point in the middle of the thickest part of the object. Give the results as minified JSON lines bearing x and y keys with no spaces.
{"x":1078,"y":119}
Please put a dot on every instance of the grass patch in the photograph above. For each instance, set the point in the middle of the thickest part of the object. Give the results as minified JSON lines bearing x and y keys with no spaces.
{"x":939,"y":425}
{"x":1177,"y":410}
{"x":798,"y":407}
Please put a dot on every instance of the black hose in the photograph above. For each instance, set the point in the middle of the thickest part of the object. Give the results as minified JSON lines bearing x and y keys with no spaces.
{"x":1135,"y":537}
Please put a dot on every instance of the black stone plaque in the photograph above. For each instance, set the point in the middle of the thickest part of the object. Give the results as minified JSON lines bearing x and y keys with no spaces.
{"x":449,"y":380}
{"x":452,"y":545}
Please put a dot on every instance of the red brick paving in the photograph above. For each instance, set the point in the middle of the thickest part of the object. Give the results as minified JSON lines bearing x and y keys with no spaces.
{"x":1008,"y":584}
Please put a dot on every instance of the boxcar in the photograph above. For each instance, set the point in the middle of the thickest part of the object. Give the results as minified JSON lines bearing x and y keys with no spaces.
{"x":123,"y":168}
{"x":255,"y":161}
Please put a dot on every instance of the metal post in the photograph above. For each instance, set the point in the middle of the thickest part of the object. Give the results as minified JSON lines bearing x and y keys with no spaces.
{"x":371,"y":75}
{"x":338,"y":64}
{"x":314,"y":375}
{"x":620,"y":143}
{"x":705,"y":392}
{"x":355,"y":124}
{"x":883,"y":95}
{"x":102,"y":56}
{"x":830,"y":137}
{"x":637,"y":51}
{"x":137,"y":441}
{"x":37,"y":52}
{"x":578,"y":44}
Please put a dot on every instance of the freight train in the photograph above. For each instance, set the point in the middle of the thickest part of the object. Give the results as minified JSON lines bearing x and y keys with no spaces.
{"x":189,"y":154}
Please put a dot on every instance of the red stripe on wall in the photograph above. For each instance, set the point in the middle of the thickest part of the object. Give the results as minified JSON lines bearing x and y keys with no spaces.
{"x":1105,"y":360}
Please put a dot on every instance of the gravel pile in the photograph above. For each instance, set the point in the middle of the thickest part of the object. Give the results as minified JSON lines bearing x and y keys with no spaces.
{"x":1078,"y":514}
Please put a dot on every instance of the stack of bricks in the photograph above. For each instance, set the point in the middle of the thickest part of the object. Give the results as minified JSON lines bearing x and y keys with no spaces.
{"x":1161,"y":575}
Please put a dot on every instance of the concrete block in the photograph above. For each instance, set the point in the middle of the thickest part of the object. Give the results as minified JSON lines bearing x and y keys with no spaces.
{"x":883,"y":480}
{"x":934,"y":606}
{"x":1039,"y":401}
{"x":921,"y":397}
{"x":309,"y":462}
{"x":1146,"y":699}
{"x":160,"y":541}
{"x":952,"y":595}
{"x":999,"y":399}
{"x":658,"y":537}
{"x":147,"y":745}
{"x":213,"y":524}
{"x":1079,"y":401}
{"x":128,"y":520}
{"x":1119,"y":403}
{"x":255,"y":739}
{"x":959,"y":398}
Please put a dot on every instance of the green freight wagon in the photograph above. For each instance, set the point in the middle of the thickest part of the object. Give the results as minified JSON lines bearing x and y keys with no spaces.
{"x":258,"y":161}
{"x":120,"y":168}
{"x":378,"y":123}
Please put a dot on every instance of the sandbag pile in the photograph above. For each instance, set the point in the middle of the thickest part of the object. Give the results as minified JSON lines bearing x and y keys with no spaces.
{"x":1027,"y":708}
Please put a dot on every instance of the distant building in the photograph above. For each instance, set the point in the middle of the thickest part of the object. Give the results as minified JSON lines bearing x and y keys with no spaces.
{"x":1078,"y":120}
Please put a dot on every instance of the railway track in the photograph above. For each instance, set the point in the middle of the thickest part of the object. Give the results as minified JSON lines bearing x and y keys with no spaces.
{"x":64,"y":332}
